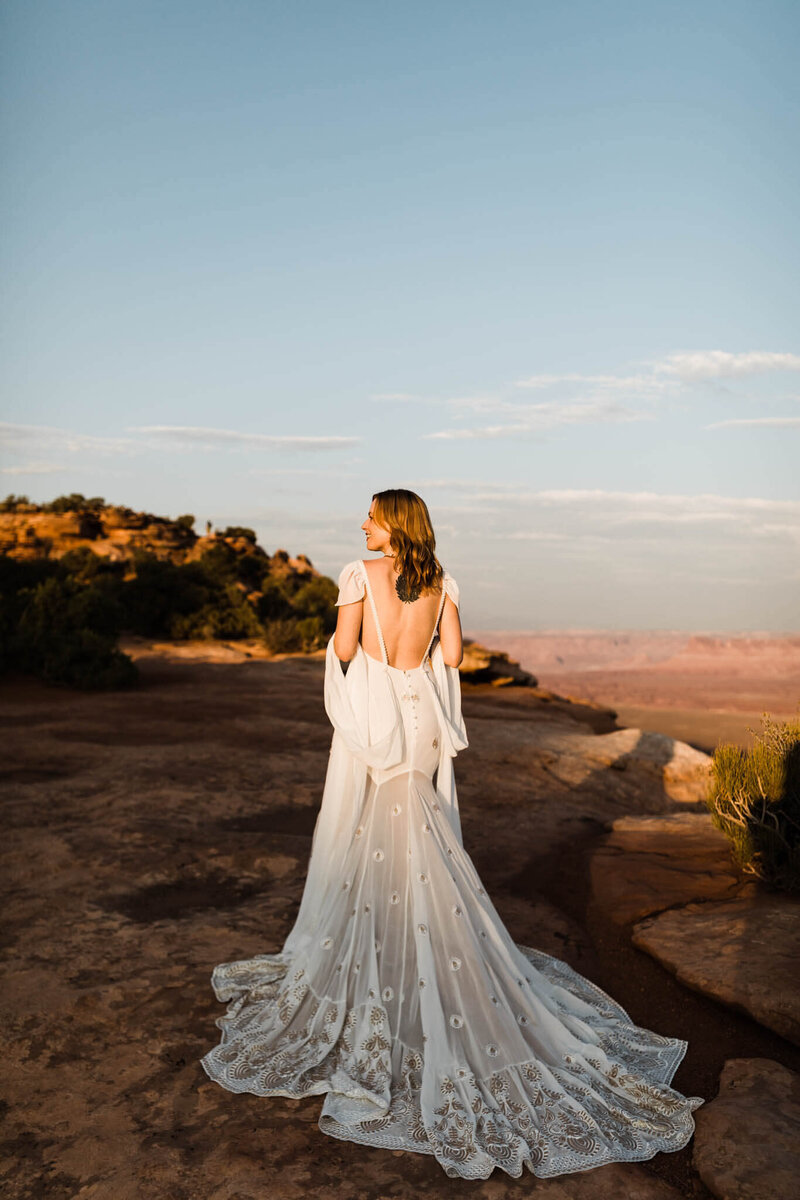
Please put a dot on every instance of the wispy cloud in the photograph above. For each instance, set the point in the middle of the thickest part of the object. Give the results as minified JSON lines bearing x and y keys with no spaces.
{"x":22,"y":437}
{"x":606,"y":398}
{"x":536,"y":418}
{"x":721,"y":364}
{"x":775,"y":422}
{"x":196,"y":435}
{"x":648,"y":385}
{"x":25,"y":438}
{"x":665,"y":502}
{"x":33,"y":469}
{"x":404,"y":398}
{"x":587,"y":515}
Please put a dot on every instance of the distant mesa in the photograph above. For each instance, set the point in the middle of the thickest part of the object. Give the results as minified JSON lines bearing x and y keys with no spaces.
{"x":115,"y":532}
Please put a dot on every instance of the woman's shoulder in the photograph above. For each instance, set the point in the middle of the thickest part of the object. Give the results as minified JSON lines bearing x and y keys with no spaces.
{"x":352,"y":582}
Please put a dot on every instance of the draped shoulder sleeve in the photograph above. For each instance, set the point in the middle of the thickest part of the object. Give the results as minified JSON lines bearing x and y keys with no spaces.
{"x":451,"y":588}
{"x":352,"y":585}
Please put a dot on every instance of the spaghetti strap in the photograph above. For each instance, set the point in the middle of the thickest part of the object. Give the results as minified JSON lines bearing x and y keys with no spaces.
{"x":436,"y":626}
{"x":375,"y":615}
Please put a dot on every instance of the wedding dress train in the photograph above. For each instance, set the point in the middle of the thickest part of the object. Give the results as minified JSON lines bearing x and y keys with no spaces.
{"x":399,"y":993}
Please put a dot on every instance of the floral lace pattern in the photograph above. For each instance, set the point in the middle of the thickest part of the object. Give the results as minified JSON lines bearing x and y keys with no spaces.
{"x":615,"y":1105}
{"x":401,"y":997}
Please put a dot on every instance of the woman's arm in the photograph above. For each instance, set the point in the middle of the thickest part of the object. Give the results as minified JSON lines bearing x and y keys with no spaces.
{"x":450,"y":634}
{"x":348,"y":627}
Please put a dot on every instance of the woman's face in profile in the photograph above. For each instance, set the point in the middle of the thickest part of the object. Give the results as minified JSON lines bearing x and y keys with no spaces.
{"x":377,"y":537}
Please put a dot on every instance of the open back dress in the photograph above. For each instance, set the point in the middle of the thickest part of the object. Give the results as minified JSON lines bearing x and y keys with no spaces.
{"x":400,"y":995}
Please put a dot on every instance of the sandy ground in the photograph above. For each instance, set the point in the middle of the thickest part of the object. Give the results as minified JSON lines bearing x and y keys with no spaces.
{"x":151,"y":834}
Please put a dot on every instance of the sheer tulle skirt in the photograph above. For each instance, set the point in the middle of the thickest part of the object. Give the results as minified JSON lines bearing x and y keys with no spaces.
{"x":426,"y":1026}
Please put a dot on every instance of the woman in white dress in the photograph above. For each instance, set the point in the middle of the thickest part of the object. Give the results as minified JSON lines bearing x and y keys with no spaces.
{"x":399,"y":994}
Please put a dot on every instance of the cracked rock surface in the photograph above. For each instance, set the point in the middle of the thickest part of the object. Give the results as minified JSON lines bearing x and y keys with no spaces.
{"x":747,"y":1140}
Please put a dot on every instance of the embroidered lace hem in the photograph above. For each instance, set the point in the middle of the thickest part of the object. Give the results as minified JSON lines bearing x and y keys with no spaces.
{"x":611,"y":1103}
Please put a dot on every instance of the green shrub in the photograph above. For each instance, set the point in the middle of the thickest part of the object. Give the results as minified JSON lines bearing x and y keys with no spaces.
{"x":273,"y":604}
{"x":228,"y":615}
{"x":317,"y":598}
{"x":67,"y":634}
{"x":220,"y":563}
{"x":754,"y":799}
{"x":11,"y":501}
{"x":240,"y":531}
{"x":312,"y":632}
{"x":82,"y":563}
{"x":283,"y":636}
{"x":161,"y":593}
{"x":74,"y":502}
{"x":87,"y":660}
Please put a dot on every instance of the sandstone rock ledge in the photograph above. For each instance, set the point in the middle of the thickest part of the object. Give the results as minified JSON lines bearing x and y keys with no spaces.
{"x":481,"y":665}
{"x":744,"y":952}
{"x":747,"y":1140}
{"x":649,"y":864}
{"x":719,"y":931}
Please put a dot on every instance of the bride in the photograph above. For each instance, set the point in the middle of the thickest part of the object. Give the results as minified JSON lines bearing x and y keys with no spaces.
{"x":399,"y":994}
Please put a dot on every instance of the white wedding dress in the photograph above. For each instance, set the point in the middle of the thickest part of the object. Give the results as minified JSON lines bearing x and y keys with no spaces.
{"x":399,"y":993}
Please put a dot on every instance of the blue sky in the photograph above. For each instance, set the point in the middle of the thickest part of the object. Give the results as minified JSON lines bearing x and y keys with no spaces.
{"x":538,"y":262}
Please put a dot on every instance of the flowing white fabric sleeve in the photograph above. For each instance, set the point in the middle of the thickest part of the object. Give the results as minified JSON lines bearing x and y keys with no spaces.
{"x":352,"y":585}
{"x":451,"y":588}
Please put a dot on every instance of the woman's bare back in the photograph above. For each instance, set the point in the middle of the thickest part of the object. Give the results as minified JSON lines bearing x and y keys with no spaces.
{"x":407,"y":627}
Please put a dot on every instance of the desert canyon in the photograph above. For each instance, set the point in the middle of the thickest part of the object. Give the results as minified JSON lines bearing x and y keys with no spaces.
{"x":150,"y":834}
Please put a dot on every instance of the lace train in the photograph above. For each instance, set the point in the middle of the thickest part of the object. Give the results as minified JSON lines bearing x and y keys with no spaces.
{"x":610,"y":1102}
{"x":400,"y":994}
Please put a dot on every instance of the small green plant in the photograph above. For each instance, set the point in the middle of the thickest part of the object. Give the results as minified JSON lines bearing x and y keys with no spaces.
{"x":754,"y":798}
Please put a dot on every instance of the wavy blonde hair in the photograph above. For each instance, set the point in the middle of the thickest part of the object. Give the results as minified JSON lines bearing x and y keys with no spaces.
{"x":406,"y":516}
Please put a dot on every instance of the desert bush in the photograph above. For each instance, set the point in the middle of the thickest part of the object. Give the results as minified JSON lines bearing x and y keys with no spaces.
{"x":74,"y":502}
{"x":754,"y":799}
{"x":67,"y":634}
{"x":228,"y":615}
{"x":18,"y":579}
{"x":82,"y":563}
{"x":240,"y":531}
{"x":312,"y":632}
{"x":317,"y":598}
{"x":220,"y":563}
{"x":162,"y":593}
{"x":11,"y":501}
{"x":274,"y":603}
{"x":283,"y":636}
{"x":250,"y":570}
